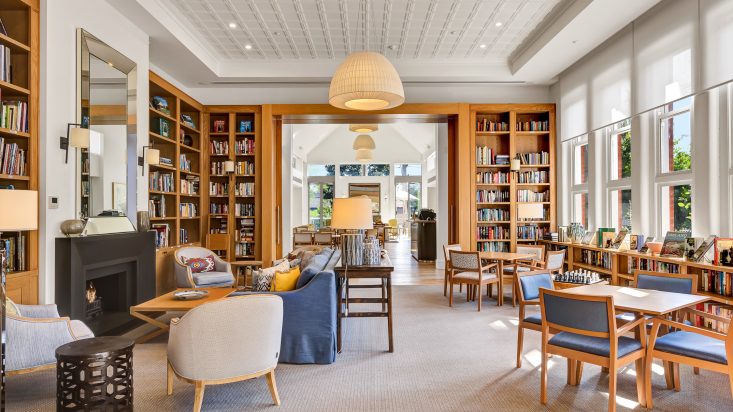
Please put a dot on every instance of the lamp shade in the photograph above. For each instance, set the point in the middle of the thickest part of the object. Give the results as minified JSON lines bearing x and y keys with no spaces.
{"x":352,"y":213}
{"x":79,"y":138}
{"x":364,"y":141}
{"x":364,"y":155}
{"x":363,"y":128}
{"x":19,"y":210}
{"x":515,"y":165}
{"x":153,"y":156}
{"x":530,"y":211}
{"x":228,"y":166}
{"x":366,"y":81}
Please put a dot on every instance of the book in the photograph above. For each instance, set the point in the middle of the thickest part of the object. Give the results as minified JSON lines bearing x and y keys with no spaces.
{"x":636,"y":242}
{"x":619,"y":239}
{"x":724,"y":251}
{"x":588,"y":237}
{"x":691,"y":245}
{"x":703,"y":248}
{"x":160,"y":104}
{"x":188,"y":120}
{"x":605,"y":240}
{"x":674,"y":244}
{"x":645,"y":247}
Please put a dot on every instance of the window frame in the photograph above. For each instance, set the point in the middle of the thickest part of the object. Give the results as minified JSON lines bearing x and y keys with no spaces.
{"x":612,"y":185}
{"x":578,"y":188}
{"x":660,"y":117}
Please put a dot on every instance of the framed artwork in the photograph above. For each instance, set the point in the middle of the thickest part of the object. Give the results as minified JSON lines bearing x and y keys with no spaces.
{"x":119,"y":196}
{"x":370,"y":190}
{"x":724,"y":251}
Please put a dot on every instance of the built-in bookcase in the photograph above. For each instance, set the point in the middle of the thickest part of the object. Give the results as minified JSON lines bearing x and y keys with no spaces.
{"x":233,"y":206}
{"x":501,"y":133}
{"x":19,"y":94}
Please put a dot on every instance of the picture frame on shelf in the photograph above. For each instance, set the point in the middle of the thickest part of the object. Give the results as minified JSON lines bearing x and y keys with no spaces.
{"x":645,"y":246}
{"x":619,"y":238}
{"x":675,"y":244}
{"x":636,"y":242}
{"x":607,"y":239}
{"x":724,"y":252}
{"x":188,"y":120}
{"x":588,"y":237}
{"x":245,"y":126}
{"x":160,"y":104}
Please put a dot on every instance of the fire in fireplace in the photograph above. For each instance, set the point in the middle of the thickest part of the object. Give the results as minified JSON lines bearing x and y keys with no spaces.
{"x":94,"y":302}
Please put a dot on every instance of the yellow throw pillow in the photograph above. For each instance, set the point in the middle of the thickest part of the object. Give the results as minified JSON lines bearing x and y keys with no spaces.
{"x":285,"y":281}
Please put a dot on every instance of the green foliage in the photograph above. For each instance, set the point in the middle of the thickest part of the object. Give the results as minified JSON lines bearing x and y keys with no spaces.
{"x":626,"y":154}
{"x":682,"y":194}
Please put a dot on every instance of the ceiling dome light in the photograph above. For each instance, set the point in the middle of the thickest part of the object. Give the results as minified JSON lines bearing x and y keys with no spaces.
{"x":364,"y":155}
{"x":364,"y":141}
{"x":232,"y":25}
{"x":363,"y":128}
{"x":366,"y":81}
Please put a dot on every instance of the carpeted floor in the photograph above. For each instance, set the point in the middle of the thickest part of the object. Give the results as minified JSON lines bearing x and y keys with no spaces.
{"x":445,"y":359}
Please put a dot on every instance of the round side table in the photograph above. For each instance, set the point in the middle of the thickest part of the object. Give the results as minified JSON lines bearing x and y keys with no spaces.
{"x":95,"y":374}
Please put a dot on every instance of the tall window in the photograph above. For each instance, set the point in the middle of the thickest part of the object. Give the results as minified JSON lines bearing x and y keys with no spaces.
{"x":619,"y":175}
{"x":579,"y":191}
{"x":407,"y":199}
{"x":580,"y":163}
{"x":320,"y":204}
{"x":407,"y":169}
{"x":580,"y":208}
{"x":620,"y":149}
{"x":674,"y":172}
{"x":321,"y":170}
{"x":621,"y":208}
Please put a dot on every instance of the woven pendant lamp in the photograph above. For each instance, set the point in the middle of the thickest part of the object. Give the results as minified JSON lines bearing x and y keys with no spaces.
{"x":363,"y":128}
{"x":364,"y":141}
{"x":364,"y":155}
{"x":366,"y":81}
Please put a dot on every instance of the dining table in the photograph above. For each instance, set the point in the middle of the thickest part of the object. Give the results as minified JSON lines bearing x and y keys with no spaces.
{"x":500,"y":258}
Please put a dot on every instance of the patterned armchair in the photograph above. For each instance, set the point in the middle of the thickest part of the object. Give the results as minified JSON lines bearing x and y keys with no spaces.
{"x":34,"y":332}
{"x":185,"y":263}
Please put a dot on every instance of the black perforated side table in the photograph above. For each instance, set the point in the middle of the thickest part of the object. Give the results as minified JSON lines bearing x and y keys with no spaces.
{"x":95,"y":374}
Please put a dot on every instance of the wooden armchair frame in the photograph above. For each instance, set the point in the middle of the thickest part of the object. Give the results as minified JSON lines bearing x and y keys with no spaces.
{"x":473,"y":286}
{"x":523,"y":304}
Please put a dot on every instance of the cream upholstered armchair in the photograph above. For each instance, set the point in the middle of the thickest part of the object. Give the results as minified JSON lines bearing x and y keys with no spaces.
{"x":186,"y":277}
{"x":224,"y":341}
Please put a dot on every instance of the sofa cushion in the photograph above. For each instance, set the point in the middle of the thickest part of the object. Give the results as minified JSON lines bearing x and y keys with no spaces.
{"x":200,"y":264}
{"x":596,"y":346}
{"x":262,"y":279}
{"x":285,"y":281}
{"x":211,"y":278}
{"x":693,"y":345}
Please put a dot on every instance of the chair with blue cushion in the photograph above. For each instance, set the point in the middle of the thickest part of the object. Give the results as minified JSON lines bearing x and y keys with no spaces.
{"x":528,"y":285}
{"x":586,"y":331}
{"x":525,"y":265}
{"x":691,"y":345}
{"x":220,"y":275}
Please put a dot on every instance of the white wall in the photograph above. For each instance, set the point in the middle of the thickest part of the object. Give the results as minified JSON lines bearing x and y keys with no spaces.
{"x":59,"y":21}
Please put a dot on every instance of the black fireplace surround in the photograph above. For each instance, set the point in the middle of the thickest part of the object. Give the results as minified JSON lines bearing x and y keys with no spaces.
{"x":122,"y":268}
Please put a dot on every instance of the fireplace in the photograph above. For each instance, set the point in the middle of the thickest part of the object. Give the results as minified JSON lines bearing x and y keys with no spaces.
{"x":99,"y":277}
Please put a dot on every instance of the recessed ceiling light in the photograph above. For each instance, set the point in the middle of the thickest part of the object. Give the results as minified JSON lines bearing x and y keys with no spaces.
{"x":452,"y":32}
{"x":248,"y":46}
{"x":483,"y":46}
{"x":499,"y":24}
{"x":276,"y":33}
{"x":232,"y":25}
{"x":392,"y":47}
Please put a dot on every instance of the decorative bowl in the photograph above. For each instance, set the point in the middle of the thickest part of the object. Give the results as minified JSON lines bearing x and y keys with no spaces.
{"x":655,"y":247}
{"x":191,"y":294}
{"x":72,"y":227}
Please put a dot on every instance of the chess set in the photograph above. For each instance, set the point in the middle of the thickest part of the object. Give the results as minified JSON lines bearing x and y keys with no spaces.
{"x":580,"y":277}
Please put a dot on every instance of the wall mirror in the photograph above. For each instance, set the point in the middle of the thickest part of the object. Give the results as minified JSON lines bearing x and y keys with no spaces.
{"x":106,"y":104}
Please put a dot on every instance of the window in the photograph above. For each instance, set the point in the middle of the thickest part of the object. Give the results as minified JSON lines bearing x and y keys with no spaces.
{"x":580,"y":208}
{"x":675,"y":137}
{"x":620,"y":149}
{"x":618,"y":181}
{"x":351,"y":170}
{"x":406,"y":169}
{"x":320,"y":204}
{"x":676,"y":210}
{"x":407,"y":200}
{"x":621,"y":209}
{"x":321,"y":170}
{"x":580,"y":162}
{"x":377,"y":170}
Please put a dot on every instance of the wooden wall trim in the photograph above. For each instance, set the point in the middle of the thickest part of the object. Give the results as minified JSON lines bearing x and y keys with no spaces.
{"x":268,"y":221}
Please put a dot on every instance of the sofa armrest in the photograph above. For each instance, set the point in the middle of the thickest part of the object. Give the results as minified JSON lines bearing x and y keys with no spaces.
{"x":32,"y":342}
{"x":38,"y":311}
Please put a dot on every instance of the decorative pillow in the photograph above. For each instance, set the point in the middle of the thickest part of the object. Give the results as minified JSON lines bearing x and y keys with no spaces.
{"x":200,"y":265}
{"x":294,"y":263}
{"x":263,"y":281}
{"x":11,"y":308}
{"x":285,"y":281}
{"x":305,"y":259}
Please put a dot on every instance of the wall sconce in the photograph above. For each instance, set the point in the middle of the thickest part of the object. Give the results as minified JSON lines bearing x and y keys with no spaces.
{"x":228,"y":166}
{"x":153,"y":157}
{"x":77,"y":137}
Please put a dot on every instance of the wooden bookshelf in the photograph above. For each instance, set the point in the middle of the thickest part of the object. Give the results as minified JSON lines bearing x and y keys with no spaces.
{"x":233,"y":199}
{"x":500,"y":129}
{"x":177,"y":204}
{"x":22,"y":22}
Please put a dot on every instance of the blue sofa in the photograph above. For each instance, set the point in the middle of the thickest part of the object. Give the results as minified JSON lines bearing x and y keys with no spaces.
{"x":309,"y":313}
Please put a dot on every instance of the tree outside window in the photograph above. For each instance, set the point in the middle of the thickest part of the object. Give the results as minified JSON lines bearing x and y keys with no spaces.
{"x":621,"y":155}
{"x":377,"y":170}
{"x":320,"y":204}
{"x":676,"y":207}
{"x":351,"y":170}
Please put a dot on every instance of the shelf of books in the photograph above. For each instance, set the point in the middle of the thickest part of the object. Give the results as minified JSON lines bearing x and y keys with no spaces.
{"x":233,"y":178}
{"x":19,"y":98}
{"x":500,"y":134}
{"x":174,"y":185}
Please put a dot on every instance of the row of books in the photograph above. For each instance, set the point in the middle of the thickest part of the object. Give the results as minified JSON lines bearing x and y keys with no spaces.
{"x":486,"y":125}
{"x":524,"y":195}
{"x":244,"y":249}
{"x":492,"y":232}
{"x":188,"y":209}
{"x":534,"y":126}
{"x":541,"y":158}
{"x":244,"y":189}
{"x":190,"y":185}
{"x":596,"y":258}
{"x":244,"y":209}
{"x":185,"y":163}
{"x":492,"y":177}
{"x":492,"y":215}
{"x":652,"y":265}
{"x":218,"y":189}
{"x":492,"y":196}
{"x":217,"y":168}
{"x":219,"y":208}
{"x":531,"y":232}
{"x":536,"y":176}
{"x":244,"y":146}
{"x":156,"y":206}
{"x":492,"y":246}
{"x":716,"y":281}
{"x":183,"y":235}
{"x":245,"y":168}
{"x":219,"y":147}
{"x":12,"y":159}
{"x":486,"y":156}
{"x":162,"y":182}
{"x":14,"y":115}
{"x":162,"y":234}
{"x":15,"y":252}
{"x":718,"y":309}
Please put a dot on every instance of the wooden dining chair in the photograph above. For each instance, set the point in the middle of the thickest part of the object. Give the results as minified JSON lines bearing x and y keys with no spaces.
{"x":691,"y":345}
{"x":323,"y":238}
{"x":466,"y":268}
{"x":586,"y":332}
{"x":528,"y":285}
{"x":302,"y":238}
{"x":446,"y":250}
{"x":523,"y":265}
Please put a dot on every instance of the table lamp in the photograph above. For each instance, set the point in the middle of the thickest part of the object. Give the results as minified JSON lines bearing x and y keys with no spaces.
{"x":19,"y":212}
{"x":353,"y":214}
{"x":530,"y":212}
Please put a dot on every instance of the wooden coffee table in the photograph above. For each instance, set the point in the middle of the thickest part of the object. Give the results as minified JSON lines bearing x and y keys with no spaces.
{"x":166,"y":303}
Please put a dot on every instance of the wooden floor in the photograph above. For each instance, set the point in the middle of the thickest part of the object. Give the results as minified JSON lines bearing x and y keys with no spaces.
{"x":409,"y":271}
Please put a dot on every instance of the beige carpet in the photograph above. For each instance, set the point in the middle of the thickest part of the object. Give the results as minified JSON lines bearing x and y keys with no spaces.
{"x":446,"y":359}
